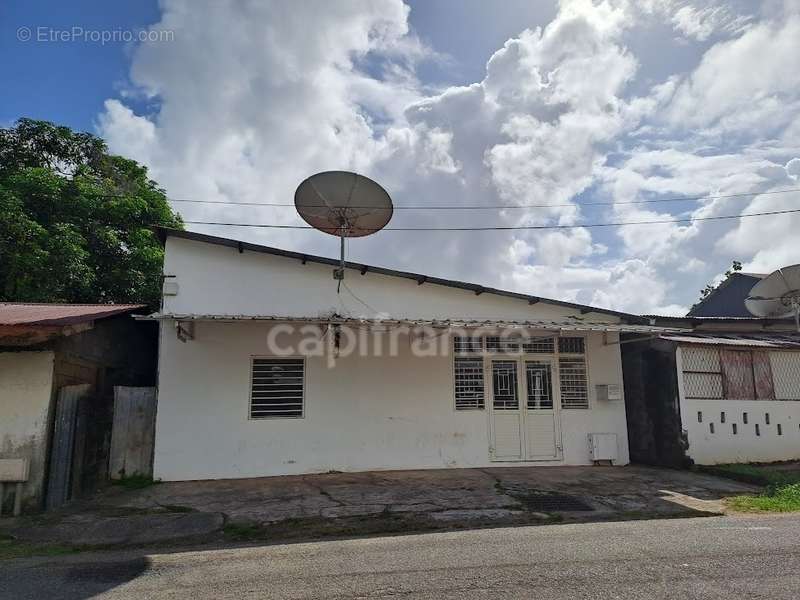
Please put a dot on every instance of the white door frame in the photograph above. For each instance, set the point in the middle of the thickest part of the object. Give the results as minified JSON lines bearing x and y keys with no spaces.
{"x":524,"y":414}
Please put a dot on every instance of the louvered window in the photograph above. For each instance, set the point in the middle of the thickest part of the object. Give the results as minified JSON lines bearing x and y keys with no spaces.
{"x":276,"y":388}
{"x":574,"y":386}
{"x":469,"y":383}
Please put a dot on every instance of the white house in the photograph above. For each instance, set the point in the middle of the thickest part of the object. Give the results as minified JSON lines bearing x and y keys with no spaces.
{"x":265,"y":369}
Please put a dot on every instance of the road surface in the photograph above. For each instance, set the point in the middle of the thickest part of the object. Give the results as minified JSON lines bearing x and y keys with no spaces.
{"x":724,"y":557}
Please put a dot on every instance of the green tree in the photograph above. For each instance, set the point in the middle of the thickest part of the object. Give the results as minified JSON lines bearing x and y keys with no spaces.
{"x":75,"y":221}
{"x":735,"y":266}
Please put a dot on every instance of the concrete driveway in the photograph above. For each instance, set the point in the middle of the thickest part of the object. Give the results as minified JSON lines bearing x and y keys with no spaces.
{"x":353,"y":504}
{"x":450,"y":494}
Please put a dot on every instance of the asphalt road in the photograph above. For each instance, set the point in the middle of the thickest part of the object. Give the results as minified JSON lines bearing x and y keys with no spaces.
{"x":724,"y":557}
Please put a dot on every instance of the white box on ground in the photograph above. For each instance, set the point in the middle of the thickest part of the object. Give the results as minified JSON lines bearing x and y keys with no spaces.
{"x":603,"y":446}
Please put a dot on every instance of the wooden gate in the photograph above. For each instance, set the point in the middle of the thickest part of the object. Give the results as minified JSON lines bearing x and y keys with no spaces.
{"x":133,"y":432}
{"x":62,"y":452}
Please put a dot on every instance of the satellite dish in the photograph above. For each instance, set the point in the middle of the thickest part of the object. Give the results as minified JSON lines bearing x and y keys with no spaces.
{"x":343,"y":204}
{"x":777,"y":296}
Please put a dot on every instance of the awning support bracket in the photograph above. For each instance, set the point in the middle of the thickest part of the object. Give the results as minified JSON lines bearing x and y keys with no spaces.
{"x":184,"y":330}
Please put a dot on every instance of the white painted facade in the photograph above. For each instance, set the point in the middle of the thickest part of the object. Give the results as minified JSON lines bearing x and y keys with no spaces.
{"x":360,"y":412}
{"x":741,"y":430}
{"x":26,"y":383}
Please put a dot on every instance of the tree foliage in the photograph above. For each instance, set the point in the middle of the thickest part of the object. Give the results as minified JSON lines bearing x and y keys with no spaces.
{"x":706,"y":291}
{"x":75,"y":221}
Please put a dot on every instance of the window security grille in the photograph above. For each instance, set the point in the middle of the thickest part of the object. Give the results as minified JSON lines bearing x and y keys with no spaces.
{"x":516,"y":344}
{"x":501,"y":344}
{"x":504,"y":385}
{"x":574,"y":385}
{"x":571,"y":345}
{"x":702,"y":372}
{"x":276,"y":388}
{"x":538,"y":346}
{"x":786,"y":374}
{"x":540,"y":391}
{"x":467,"y":345}
{"x":469,"y":383}
{"x":734,"y":373}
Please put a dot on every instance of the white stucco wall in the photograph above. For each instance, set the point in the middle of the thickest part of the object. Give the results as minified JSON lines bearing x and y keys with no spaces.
{"x":725,"y":446}
{"x":216,"y":279}
{"x":26,"y":382}
{"x":366,"y":413}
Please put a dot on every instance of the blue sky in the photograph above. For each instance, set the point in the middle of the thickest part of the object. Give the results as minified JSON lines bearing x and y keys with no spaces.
{"x":455,"y":102}
{"x":65,"y":82}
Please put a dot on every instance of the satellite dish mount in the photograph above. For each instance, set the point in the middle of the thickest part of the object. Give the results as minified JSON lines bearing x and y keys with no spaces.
{"x":777,"y":296}
{"x":343,"y":204}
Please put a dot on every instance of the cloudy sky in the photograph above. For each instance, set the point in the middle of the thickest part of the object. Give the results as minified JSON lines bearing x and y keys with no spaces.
{"x":453,"y":102}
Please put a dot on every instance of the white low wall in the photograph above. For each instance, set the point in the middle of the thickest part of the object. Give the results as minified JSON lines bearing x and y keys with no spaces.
{"x":26,"y":383}
{"x":723,"y":446}
{"x":367,"y":413}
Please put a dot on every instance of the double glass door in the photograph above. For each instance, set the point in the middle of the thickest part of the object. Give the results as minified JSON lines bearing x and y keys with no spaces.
{"x":524,"y":420}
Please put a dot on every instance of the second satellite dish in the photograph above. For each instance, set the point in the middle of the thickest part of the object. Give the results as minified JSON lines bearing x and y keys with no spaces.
{"x":777,"y":296}
{"x":343,"y":204}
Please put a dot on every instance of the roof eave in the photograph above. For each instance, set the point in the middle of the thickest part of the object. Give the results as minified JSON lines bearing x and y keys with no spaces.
{"x":163,"y":233}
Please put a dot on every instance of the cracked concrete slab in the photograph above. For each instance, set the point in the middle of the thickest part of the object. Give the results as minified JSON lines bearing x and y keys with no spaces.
{"x":481,"y":514}
{"x":472,"y":496}
{"x":94,"y":530}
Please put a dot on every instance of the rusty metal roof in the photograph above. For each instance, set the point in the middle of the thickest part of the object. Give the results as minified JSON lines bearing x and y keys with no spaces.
{"x":22,"y":314}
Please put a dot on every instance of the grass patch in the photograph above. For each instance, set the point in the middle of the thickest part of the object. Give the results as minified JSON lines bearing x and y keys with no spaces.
{"x":781,"y":486}
{"x":780,"y":498}
{"x":767,"y":475}
{"x":11,"y":548}
{"x":136,"y":481}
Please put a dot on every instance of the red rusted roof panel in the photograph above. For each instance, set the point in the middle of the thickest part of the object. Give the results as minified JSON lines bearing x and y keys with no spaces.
{"x":17,"y":313}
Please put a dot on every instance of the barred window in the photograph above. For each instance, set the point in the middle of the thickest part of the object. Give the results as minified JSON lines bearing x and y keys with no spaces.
{"x":571,"y":345}
{"x":574,"y":387}
{"x":538,"y":345}
{"x":502,"y":344}
{"x":277,"y":387}
{"x":467,"y":345}
{"x":468,"y":373}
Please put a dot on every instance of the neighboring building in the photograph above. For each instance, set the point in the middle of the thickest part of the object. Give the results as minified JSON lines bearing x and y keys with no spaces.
{"x":727,"y":299}
{"x":44,"y":347}
{"x":265,"y":370}
{"x":726,"y":391}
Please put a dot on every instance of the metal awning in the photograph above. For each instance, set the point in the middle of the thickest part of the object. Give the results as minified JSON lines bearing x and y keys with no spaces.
{"x":574,"y":324}
{"x":755,"y":340}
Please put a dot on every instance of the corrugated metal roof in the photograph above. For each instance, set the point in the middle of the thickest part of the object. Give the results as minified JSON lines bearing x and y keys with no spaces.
{"x":566,"y":325}
{"x":22,"y":314}
{"x":759,"y":340}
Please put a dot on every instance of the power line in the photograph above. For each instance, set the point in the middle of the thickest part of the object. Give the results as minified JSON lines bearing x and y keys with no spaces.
{"x":514,"y":227}
{"x":483,"y":207}
{"x":503,"y":206}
